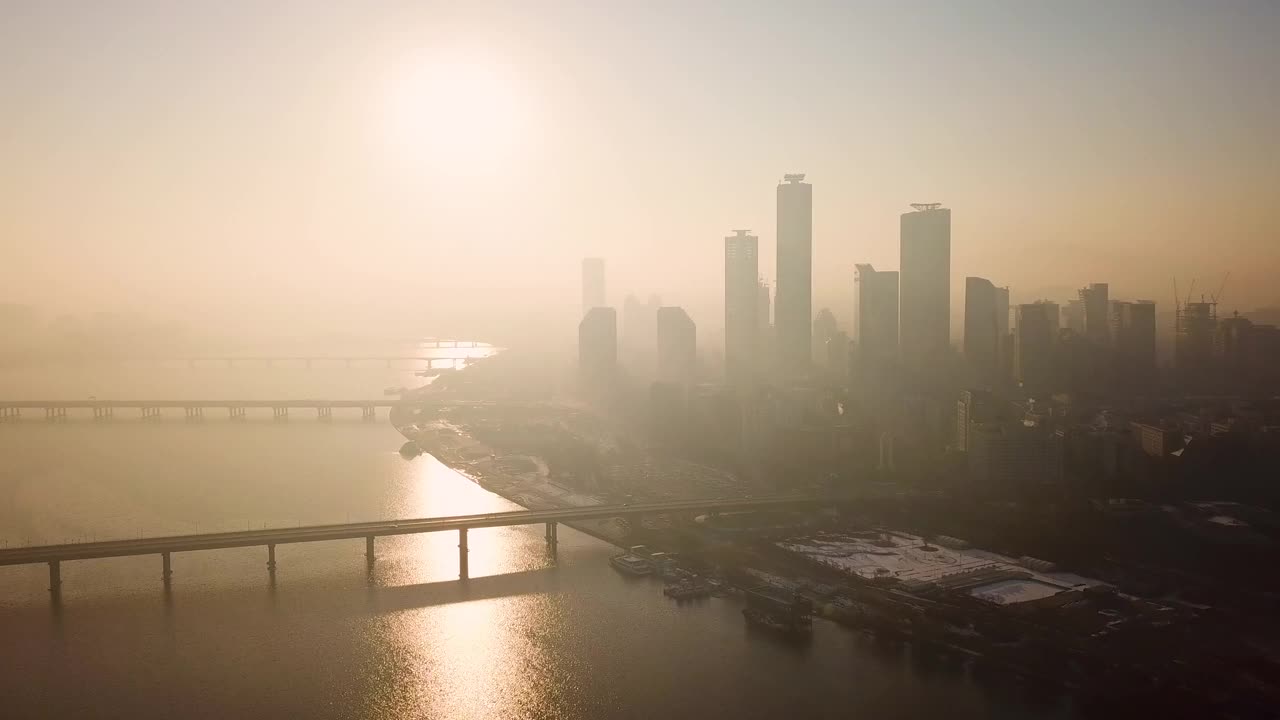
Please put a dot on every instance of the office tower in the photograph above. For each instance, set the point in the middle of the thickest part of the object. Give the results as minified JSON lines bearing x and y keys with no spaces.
{"x":982,"y":326}
{"x":1004,"y":341}
{"x":741,"y":303}
{"x":1195,"y":325}
{"x":924,"y":287}
{"x":793,"y":301}
{"x":1133,"y":333}
{"x":1097,"y":323}
{"x":677,"y":345}
{"x":1033,"y":350}
{"x":592,"y":283}
{"x":877,"y":320}
{"x":1073,"y":316}
{"x":598,"y":343}
{"x":1004,"y":457}
{"x":640,"y":323}
{"x":764,"y":306}
{"x":974,"y":406}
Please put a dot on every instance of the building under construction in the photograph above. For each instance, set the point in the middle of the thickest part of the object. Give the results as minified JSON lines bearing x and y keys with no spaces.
{"x":1195,"y":325}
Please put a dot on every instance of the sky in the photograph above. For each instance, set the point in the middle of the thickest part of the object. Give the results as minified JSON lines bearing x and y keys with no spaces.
{"x":236,"y":156}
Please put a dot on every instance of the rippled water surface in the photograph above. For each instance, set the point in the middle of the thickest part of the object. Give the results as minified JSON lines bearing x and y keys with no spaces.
{"x":529,"y":635}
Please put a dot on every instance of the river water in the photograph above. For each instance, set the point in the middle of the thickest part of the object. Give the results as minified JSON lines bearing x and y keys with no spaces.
{"x":528,"y":636}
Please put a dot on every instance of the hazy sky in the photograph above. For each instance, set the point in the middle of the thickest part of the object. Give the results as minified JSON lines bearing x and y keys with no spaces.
{"x":234,"y":152}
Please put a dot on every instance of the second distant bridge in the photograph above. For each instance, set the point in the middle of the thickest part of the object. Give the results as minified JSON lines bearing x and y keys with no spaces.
{"x":56,"y":410}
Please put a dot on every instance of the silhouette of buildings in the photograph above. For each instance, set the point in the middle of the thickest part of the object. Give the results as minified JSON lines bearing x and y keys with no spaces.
{"x":598,"y":343}
{"x":985,"y":307}
{"x":677,"y":346}
{"x":793,"y":304}
{"x":1133,"y":334}
{"x":877,"y":348}
{"x":1033,"y":352}
{"x":592,"y":284}
{"x":640,"y":324}
{"x":974,"y":406}
{"x":1096,"y":306}
{"x":1013,"y":456}
{"x":924,"y":298}
{"x":741,"y":305}
{"x":1194,"y":329}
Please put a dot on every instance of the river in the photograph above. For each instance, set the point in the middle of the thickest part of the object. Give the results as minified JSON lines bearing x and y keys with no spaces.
{"x":528,"y":636}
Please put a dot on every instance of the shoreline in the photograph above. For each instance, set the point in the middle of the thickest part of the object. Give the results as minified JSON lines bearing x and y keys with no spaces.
{"x":498,"y":486}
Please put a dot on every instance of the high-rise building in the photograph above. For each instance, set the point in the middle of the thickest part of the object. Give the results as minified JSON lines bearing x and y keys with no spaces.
{"x":1133,"y":333}
{"x":974,"y":406}
{"x":1073,"y":316}
{"x":598,"y":343}
{"x":793,"y":301}
{"x":1097,"y":320}
{"x":592,"y":284}
{"x":1196,"y":325}
{"x":1004,"y":341}
{"x":983,"y":329}
{"x":1033,"y":349}
{"x":1009,"y":457}
{"x":677,"y":345}
{"x":764,"y":306}
{"x":741,"y":305}
{"x":924,"y":287}
{"x":640,"y":323}
{"x":877,"y":320}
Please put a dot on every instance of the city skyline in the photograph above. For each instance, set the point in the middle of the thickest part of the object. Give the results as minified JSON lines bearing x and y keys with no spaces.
{"x":1155,"y":171}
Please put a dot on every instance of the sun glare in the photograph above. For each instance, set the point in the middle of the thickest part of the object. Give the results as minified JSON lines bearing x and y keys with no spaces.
{"x":454,"y":111}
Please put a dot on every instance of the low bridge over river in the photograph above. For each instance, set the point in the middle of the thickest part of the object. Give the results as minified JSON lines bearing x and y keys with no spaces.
{"x":104,"y":410}
{"x":55,"y":555}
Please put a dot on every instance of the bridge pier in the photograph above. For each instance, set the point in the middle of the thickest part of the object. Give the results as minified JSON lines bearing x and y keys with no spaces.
{"x":308,"y":363}
{"x":55,"y":577}
{"x":167,"y":573}
{"x":235,"y":412}
{"x":552,"y":540}
{"x":150,"y":413}
{"x":368,"y":549}
{"x":271,"y":558}
{"x":103,"y":413}
{"x":325,"y":414}
{"x":8,"y":414}
{"x":462,"y":553}
{"x":368,"y":413}
{"x":55,"y":414}
{"x":280,"y":414}
{"x":194,"y":414}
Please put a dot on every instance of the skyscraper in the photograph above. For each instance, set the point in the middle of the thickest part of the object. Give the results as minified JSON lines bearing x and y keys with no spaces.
{"x":598,"y":343}
{"x":1097,"y":321}
{"x":982,"y":326}
{"x":1133,"y":330}
{"x":741,"y":303}
{"x":677,"y":345}
{"x":793,"y":301}
{"x":924,"y":297}
{"x":592,"y":284}
{"x":1033,"y":349}
{"x":877,"y":320}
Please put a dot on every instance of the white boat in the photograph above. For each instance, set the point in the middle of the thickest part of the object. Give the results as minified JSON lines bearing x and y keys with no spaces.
{"x":631,"y":564}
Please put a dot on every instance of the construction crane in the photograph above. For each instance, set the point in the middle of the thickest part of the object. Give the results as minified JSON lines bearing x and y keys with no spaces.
{"x":1215,"y":297}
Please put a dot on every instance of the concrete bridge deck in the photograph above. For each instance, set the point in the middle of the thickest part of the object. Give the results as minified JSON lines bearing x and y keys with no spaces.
{"x":54,"y":555}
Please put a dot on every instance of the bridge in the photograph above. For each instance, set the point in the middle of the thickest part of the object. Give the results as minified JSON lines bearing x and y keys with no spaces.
{"x":104,"y":410}
{"x":230,"y":361}
{"x":55,"y":555}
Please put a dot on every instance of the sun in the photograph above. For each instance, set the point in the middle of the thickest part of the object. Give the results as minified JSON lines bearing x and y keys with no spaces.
{"x":450,"y":111}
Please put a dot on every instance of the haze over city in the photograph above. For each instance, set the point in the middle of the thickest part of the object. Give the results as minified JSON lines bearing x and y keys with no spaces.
{"x":225,"y":156}
{"x":654,"y":360}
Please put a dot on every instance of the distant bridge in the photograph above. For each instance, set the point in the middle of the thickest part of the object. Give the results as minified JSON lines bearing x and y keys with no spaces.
{"x":55,"y":555}
{"x":309,"y":361}
{"x":104,"y":410}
